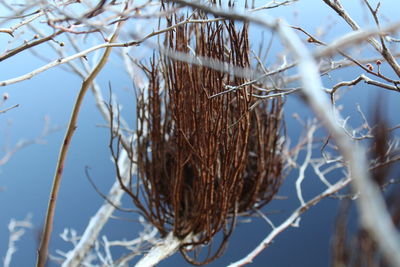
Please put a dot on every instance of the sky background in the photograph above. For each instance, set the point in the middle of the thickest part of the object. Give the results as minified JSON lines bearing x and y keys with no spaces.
{"x":26,"y":178}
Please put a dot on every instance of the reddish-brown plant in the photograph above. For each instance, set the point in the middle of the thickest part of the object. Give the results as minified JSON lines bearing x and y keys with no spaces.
{"x":201,"y":159}
{"x":358,"y":248}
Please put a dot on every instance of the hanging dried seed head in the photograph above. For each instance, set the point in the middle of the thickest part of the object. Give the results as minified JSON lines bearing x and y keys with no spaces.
{"x":202,"y":160}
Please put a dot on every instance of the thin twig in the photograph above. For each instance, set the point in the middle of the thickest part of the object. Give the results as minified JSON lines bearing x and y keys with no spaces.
{"x":289,"y":222}
{"x":7,"y":109}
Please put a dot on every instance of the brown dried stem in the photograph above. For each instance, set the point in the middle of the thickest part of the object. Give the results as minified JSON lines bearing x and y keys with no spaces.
{"x":43,"y":250}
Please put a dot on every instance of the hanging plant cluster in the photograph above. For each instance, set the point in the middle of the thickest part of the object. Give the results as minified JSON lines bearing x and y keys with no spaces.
{"x":204,"y":155}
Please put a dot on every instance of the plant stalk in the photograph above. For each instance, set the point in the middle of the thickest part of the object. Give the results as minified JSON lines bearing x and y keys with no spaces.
{"x":48,"y":227}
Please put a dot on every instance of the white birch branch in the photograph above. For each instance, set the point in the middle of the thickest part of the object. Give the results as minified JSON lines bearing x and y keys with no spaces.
{"x":306,"y":163}
{"x":164,"y":249}
{"x":17,"y":230}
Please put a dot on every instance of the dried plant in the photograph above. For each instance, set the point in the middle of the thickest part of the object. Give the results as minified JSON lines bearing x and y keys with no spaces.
{"x":201,"y":159}
{"x":358,"y":248}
